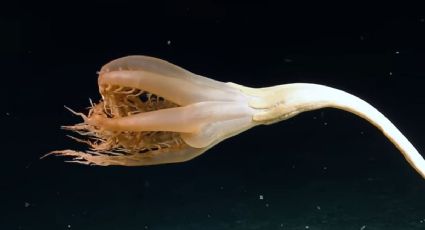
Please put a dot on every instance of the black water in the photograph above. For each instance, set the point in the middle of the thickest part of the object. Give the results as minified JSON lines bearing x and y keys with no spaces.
{"x":320,"y":170}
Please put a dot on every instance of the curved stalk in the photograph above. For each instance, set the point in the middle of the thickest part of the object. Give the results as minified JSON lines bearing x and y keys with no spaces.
{"x":282,"y":102}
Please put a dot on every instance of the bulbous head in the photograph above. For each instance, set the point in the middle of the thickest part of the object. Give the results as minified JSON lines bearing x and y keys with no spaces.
{"x":153,"y":112}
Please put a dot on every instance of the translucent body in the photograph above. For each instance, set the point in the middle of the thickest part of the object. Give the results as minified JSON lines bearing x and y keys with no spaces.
{"x":153,"y":112}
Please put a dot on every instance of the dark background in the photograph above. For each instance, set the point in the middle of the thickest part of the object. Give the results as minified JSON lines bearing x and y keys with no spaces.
{"x":324,"y":169}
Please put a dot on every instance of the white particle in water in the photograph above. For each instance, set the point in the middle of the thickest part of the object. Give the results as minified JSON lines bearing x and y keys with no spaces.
{"x":318,"y":208}
{"x":26,"y":204}
{"x":261,"y":197}
{"x":363,"y":227}
{"x":391,"y":73}
{"x":69,"y":226}
{"x":397,"y":52}
{"x":307,"y":227}
{"x":169,"y":42}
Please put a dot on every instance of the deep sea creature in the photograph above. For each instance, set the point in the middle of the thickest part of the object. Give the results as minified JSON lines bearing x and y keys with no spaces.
{"x":154,"y":112}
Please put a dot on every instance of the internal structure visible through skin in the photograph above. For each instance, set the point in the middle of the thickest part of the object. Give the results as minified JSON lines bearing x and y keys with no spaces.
{"x":118,"y":101}
{"x":153,"y":112}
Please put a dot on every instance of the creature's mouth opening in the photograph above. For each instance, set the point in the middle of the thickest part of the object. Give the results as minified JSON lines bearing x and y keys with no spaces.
{"x":118,"y":102}
{"x":121,"y":101}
